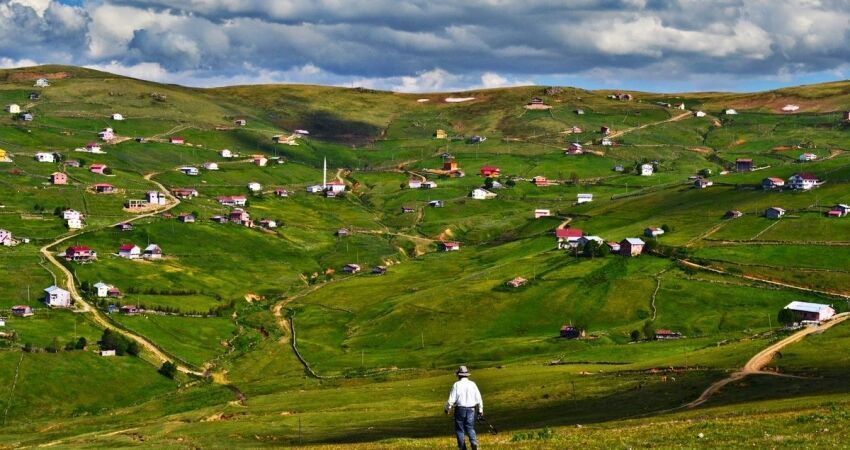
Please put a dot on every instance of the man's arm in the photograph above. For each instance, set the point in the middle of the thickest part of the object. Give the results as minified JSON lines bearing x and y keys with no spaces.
{"x":479,"y":401}
{"x":452,"y":399}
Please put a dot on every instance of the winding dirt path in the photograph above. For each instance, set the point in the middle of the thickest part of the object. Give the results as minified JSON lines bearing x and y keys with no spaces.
{"x":98,"y":316}
{"x":756,"y":364}
{"x":616,"y":134}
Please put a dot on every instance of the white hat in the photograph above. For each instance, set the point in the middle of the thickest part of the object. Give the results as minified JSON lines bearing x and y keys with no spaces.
{"x":462,"y":371}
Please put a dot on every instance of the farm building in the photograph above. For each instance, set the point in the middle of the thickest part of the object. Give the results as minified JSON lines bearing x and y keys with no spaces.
{"x":440,"y":134}
{"x":176,"y":140}
{"x":517,"y":282}
{"x":22,"y":311}
{"x":803,"y":181}
{"x":255,"y":187}
{"x":233,"y":200}
{"x":699,"y":114}
{"x":605,"y":130}
{"x":186,"y":218}
{"x":540,"y":181}
{"x":241,"y":217}
{"x":93,"y":147}
{"x":210,"y":166}
{"x":56,"y":297}
{"x":814,"y":312}
{"x":584,"y":240}
{"x":315,"y":189}
{"x":34,"y":96}
{"x":379,"y":270}
{"x":45,"y":157}
{"x":218,"y":219}
{"x":702,"y":183}
{"x":646,"y":170}
{"x":281,"y":192}
{"x":482,"y":194}
{"x":653,"y":232}
{"x":225,"y":153}
{"x":790,"y":108}
{"x":730,"y":112}
{"x":126,"y":226}
{"x":184,"y":193}
{"x":106,"y":134}
{"x":351,"y":268}
{"x":136,"y":203}
{"x":414,"y":183}
{"x":74,"y":224}
{"x":568,"y":237}
{"x":613,"y":247}
{"x":477,"y":139}
{"x":407,"y":210}
{"x":129,"y":251}
{"x":733,"y":214}
{"x":240,"y":122}
{"x":839,"y":210}
{"x":6,"y":239}
{"x":805,"y":157}
{"x":98,"y":168}
{"x":584,"y":198}
{"x":449,"y":246}
{"x":156,"y":198}
{"x":269,"y":224}
{"x":58,"y":178}
{"x":342,"y":232}
{"x":13,"y":108}
{"x":537,"y":103}
{"x":106,"y":353}
{"x":606,"y":142}
{"x":80,"y":253}
{"x":679,"y":106}
{"x":152,"y":251}
{"x":579,"y":112}
{"x":450,"y":165}
{"x":428,"y":184}
{"x":335,"y":186}
{"x":69,"y":214}
{"x":772,"y":183}
{"x":667,"y":334}
{"x":743,"y":164}
{"x":774,"y":212}
{"x":260,"y":160}
{"x":42,"y":82}
{"x":27,"y":117}
{"x":490,"y":171}
{"x":846,"y":116}
{"x":189,"y":170}
{"x":575,"y":149}
{"x":631,"y":246}
{"x":73,"y":163}
{"x":101,"y":289}
{"x":3,"y":155}
{"x":103,"y":188}
{"x":435,"y":203}
{"x":538,"y":213}
{"x":571,"y":332}
{"x":129,"y":309}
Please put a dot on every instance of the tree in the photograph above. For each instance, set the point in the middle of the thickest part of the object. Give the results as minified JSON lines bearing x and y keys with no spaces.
{"x":786,"y":316}
{"x":111,"y":340}
{"x":650,"y":245}
{"x":81,"y":343}
{"x":28,"y":347}
{"x":666,"y":228}
{"x":574,"y":177}
{"x":168,"y":369}
{"x":54,"y":346}
{"x":107,"y":171}
{"x":510,"y":182}
{"x":488,"y":183}
{"x":648,"y":330}
{"x":133,"y":349}
{"x":635,"y":335}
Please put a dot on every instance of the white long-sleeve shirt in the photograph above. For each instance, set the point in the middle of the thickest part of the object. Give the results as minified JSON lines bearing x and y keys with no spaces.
{"x":465,"y":393}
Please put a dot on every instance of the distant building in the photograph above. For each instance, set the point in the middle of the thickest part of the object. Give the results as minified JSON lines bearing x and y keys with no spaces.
{"x":568,"y":237}
{"x":176,"y":140}
{"x":814,"y":312}
{"x":772,"y":183}
{"x":211,"y":166}
{"x":805,"y":157}
{"x":646,"y":170}
{"x":571,"y":332}
{"x":45,"y":157}
{"x":22,"y":311}
{"x":703,"y":183}
{"x":482,"y":194}
{"x":774,"y":212}
{"x":56,"y":297}
{"x":538,"y":213}
{"x":803,"y":181}
{"x":440,"y":134}
{"x":42,"y":82}
{"x":744,"y":165}
{"x":13,"y":108}
{"x":449,"y":246}
{"x":58,"y":178}
{"x":631,"y":246}
{"x":653,"y":232}
{"x":517,"y":282}
{"x":490,"y":172}
{"x":129,"y":251}
{"x":584,"y":198}
{"x":117,"y":117}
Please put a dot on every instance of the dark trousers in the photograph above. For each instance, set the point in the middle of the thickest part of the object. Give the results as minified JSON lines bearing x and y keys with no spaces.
{"x":465,"y":424}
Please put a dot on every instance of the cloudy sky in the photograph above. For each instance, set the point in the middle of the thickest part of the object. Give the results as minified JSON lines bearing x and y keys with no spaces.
{"x":440,"y":45}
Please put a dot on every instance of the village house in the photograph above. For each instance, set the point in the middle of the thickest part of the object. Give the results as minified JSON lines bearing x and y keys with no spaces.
{"x":218,"y":219}
{"x":575,"y":149}
{"x":186,"y":218}
{"x":407,"y":210}
{"x":260,"y":160}
{"x":517,"y":282}
{"x":414,"y":183}
{"x":72,"y":163}
{"x":42,"y":82}
{"x":839,"y":210}
{"x":136,"y":203}
{"x":210,"y":166}
{"x":27,"y":117}
{"x":129,"y":251}
{"x":129,"y":309}
{"x":226,"y":153}
{"x":584,"y":240}
{"x":540,"y":181}
{"x":428,"y":184}
{"x":482,"y":194}
{"x":22,"y":311}
{"x":450,"y":165}
{"x":663,"y":334}
{"x":803,"y":181}
{"x":449,"y":246}
{"x":4,"y":156}
{"x":846,"y":116}
{"x":255,"y":187}
{"x":805,"y":157}
{"x":653,"y":232}
{"x":476,"y":139}
{"x":699,"y":114}
{"x":241,"y":217}
{"x":379,"y":270}
{"x":335,"y":186}
{"x":631,"y":246}
{"x":189,"y":170}
{"x":733,"y":214}
{"x":34,"y":96}
{"x":351,"y":268}
{"x":730,"y":112}
{"x":613,"y":247}
{"x":571,"y":332}
{"x":269,"y":224}
{"x":98,"y":169}
{"x":605,"y":130}
{"x":80,"y":253}
{"x":69,"y":214}
{"x":58,"y":178}
{"x":811,"y":312}
{"x":435,"y":203}
{"x":315,"y":189}
{"x":156,"y":198}
{"x":107,"y":353}
{"x":342,"y":232}
{"x":703,"y":183}
{"x":240,"y":122}
{"x":184,"y":193}
{"x":176,"y":140}
{"x":538,"y":213}
{"x":679,"y":106}
{"x":774,"y":212}
{"x":568,"y":237}
{"x":93,"y":147}
{"x":490,"y":172}
{"x":743,"y":165}
{"x":646,"y":170}
{"x":101,"y":289}
{"x":440,"y":134}
{"x":607,"y":142}
{"x":152,"y":251}
{"x":45,"y":157}
{"x":118,"y":117}
{"x":772,"y":183}
{"x":126,"y":226}
{"x":106,"y":134}
{"x":6,"y":239}
{"x":790,"y":108}
{"x":74,"y":224}
{"x":580,"y":112}
{"x":233,"y":200}
{"x":281,"y":192}
{"x":13,"y":108}
{"x":584,"y":198}
{"x":103,"y":188}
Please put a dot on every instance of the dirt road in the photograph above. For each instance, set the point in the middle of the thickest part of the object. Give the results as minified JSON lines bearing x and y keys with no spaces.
{"x":616,"y":134}
{"x":756,"y":364}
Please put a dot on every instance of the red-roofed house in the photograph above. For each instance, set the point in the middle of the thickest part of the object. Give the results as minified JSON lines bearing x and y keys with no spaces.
{"x":490,"y":171}
{"x":80,"y":253}
{"x":129,"y":251}
{"x":449,"y":246}
{"x":803,"y":181}
{"x":103,"y":188}
{"x":772,"y":183}
{"x":177,"y":140}
{"x":97,"y":168}
{"x":540,"y":181}
{"x":184,"y":193}
{"x":58,"y":178}
{"x":568,"y":237}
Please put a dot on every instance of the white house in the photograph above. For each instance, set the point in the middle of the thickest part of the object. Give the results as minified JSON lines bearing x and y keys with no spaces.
{"x":482,"y":194}
{"x":260,"y":160}
{"x":117,"y":116}
{"x":70,"y":214}
{"x":42,"y":82}
{"x":6,"y":239}
{"x":74,"y":224}
{"x":336,"y":186}
{"x":13,"y":108}
{"x":584,"y":198}
{"x":607,"y":142}
{"x":315,"y":189}
{"x":45,"y":157}
{"x":803,"y":181}
{"x":152,"y":252}
{"x":233,"y":200}
{"x":790,"y":108}
{"x":538,"y":213}
{"x":226,"y":153}
{"x":210,"y":166}
{"x":584,"y":240}
{"x":101,"y":289}
{"x":254,"y":187}
{"x":188,"y":170}
{"x":156,"y":198}
{"x":699,"y":114}
{"x":730,"y":112}
{"x":815,"y":312}
{"x":106,"y":134}
{"x":414,"y":184}
{"x":808,"y":157}
{"x":56,"y":297}
{"x":646,"y":170}
{"x":653,"y":232}
{"x":428,"y":184}
{"x":129,"y":251}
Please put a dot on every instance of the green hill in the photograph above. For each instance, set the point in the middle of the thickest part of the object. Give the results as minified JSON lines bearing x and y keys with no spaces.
{"x":277,"y":345}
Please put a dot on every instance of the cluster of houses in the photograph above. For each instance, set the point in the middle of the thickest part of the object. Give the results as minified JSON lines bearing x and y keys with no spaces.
{"x":330,"y":188}
{"x":73,"y":219}
{"x":802,"y":181}
{"x":6,"y":239}
{"x":152,"y":198}
{"x":133,"y":251}
{"x":103,"y":290}
{"x":537,"y":103}
{"x":574,"y":238}
{"x":80,"y":254}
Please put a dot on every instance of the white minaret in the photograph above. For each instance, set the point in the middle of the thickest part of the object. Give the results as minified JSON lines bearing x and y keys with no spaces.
{"x":325,"y":175}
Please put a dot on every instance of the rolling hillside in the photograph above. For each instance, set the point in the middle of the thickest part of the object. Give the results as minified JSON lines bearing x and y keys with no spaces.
{"x":275,"y":343}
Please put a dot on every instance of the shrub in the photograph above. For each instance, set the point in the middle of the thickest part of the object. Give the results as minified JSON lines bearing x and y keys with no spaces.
{"x":168,"y":369}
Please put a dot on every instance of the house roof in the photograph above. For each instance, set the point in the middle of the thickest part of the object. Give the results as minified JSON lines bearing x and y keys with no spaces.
{"x":127,"y":247}
{"x":807,"y":307}
{"x":152,"y":247}
{"x":568,"y":233}
{"x":743,"y":160}
{"x":79,"y":248}
{"x":635,"y":241}
{"x":53,"y":289}
{"x":490,"y":169}
{"x":806,"y":176}
{"x":101,"y":284}
{"x":775,"y":180}
{"x":776,"y":208}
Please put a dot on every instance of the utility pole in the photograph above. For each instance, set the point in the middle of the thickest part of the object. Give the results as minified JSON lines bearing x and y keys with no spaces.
{"x":422,"y":336}
{"x":769,"y":323}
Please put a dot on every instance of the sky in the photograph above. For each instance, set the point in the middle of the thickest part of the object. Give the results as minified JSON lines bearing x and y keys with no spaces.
{"x":440,"y":45}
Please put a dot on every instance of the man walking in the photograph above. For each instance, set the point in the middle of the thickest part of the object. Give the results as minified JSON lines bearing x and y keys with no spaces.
{"x":465,"y":399}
